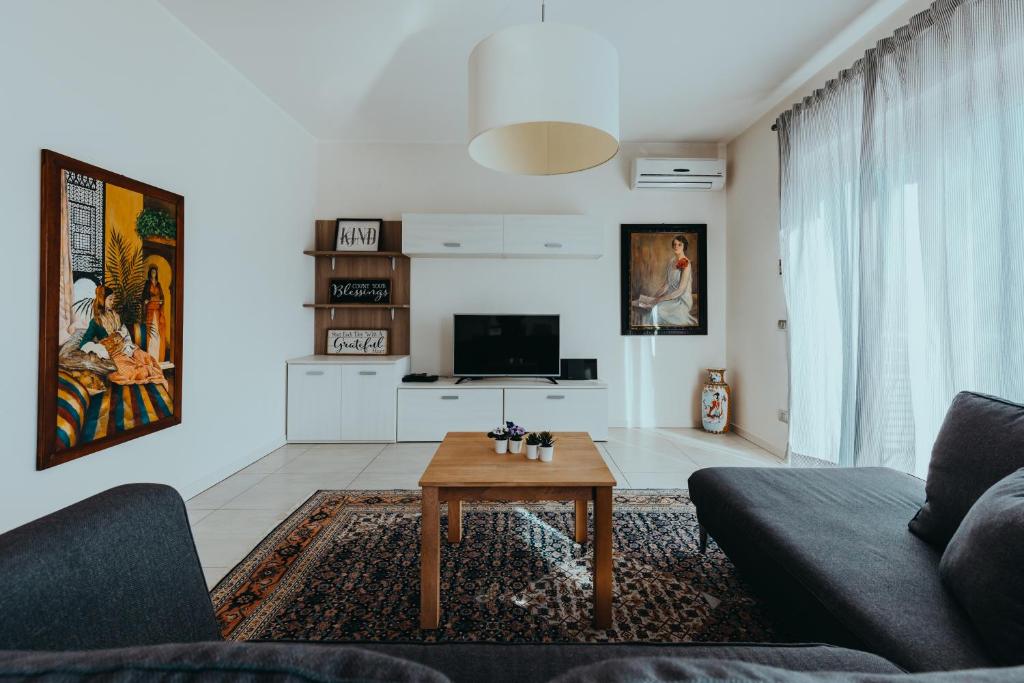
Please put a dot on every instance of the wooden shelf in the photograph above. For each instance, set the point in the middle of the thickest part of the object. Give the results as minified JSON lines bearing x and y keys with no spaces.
{"x":355,"y":305}
{"x":334,"y":254}
{"x":389,"y":263}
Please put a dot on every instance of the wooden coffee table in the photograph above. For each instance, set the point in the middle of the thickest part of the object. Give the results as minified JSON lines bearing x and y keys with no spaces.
{"x":465,"y":467}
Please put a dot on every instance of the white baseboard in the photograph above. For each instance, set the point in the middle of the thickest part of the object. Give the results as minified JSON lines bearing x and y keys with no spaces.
{"x":758,"y":441}
{"x":219,"y":475}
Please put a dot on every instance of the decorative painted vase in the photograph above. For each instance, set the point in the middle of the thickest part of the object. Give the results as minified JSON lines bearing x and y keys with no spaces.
{"x":547,"y":453}
{"x":515,"y":446}
{"x":714,"y":402}
{"x":501,"y":446}
{"x":531,"y":451}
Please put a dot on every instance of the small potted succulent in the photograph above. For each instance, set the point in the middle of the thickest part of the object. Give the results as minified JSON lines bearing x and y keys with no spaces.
{"x":515,"y":437}
{"x":547,"y":446}
{"x":532,"y":442}
{"x":500,"y":436}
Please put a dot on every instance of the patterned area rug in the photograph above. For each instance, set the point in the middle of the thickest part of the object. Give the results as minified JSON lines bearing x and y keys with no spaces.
{"x":345,"y":566}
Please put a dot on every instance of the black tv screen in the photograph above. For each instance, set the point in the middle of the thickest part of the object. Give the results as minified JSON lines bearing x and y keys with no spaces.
{"x":506,"y":345}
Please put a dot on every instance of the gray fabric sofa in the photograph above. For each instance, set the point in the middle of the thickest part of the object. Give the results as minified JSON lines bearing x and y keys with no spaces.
{"x":111,"y":589}
{"x":852,"y":556}
{"x":831,"y":550}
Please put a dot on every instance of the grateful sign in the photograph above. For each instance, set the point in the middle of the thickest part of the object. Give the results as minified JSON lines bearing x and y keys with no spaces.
{"x":357,"y":342}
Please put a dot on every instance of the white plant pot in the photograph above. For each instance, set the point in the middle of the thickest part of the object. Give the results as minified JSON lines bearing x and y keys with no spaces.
{"x":547,"y":453}
{"x":501,"y":445}
{"x":531,"y":451}
{"x":515,"y":446}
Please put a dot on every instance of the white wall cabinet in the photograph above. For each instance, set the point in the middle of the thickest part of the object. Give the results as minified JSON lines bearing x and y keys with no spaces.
{"x":339,"y":399}
{"x":425,"y":234}
{"x":502,"y":236}
{"x":552,"y":237}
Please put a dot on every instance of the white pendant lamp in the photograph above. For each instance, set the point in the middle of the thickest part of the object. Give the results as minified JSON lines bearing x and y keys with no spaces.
{"x":543,"y":100}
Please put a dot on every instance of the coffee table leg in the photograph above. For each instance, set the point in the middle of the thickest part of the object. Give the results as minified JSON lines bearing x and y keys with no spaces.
{"x":454,"y":521}
{"x":603,"y":557}
{"x":581,"y":521}
{"x":430,"y":560}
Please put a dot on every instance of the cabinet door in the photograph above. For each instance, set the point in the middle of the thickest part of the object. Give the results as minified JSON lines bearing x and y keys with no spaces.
{"x":314,"y":403}
{"x":553,"y":236}
{"x":560,"y":410}
{"x":429,"y":414}
{"x":451,"y":234}
{"x":368,"y":402}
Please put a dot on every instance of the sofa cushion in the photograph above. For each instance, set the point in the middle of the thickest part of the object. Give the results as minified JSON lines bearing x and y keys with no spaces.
{"x":539,"y":662}
{"x":840,"y":537}
{"x":211,"y":662}
{"x":118,"y":569}
{"x":982,"y":566}
{"x":980,"y":442}
{"x":679,"y":670}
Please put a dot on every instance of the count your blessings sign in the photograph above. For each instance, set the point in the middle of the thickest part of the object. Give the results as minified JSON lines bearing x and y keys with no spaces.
{"x":344,"y":290}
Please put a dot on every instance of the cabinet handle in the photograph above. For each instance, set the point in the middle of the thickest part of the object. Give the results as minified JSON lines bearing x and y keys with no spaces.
{"x":454,"y":245}
{"x":367,"y":372}
{"x":553,"y":245}
{"x":554,"y":396}
{"x":449,"y":398}
{"x":314,"y":372}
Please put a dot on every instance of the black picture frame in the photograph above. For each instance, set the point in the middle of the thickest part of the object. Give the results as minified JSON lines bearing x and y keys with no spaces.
{"x":629,"y":327}
{"x":359,"y":290}
{"x":338,"y":224}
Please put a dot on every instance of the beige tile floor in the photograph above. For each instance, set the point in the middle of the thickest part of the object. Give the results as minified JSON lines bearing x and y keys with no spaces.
{"x":231,"y":517}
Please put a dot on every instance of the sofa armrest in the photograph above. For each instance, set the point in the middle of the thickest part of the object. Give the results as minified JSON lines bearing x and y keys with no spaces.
{"x":118,"y":569}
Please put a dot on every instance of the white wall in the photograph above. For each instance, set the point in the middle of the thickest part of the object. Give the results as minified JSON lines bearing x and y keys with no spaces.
{"x":123,"y":85}
{"x":756,"y":348}
{"x":652,"y":381}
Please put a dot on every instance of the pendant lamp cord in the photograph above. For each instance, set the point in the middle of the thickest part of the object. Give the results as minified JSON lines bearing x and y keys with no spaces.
{"x":542,"y":12}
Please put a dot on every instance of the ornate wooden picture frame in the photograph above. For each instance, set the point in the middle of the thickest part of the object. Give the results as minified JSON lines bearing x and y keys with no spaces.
{"x":111,"y":293}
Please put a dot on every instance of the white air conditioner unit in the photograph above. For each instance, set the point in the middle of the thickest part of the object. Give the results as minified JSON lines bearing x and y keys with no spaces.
{"x":679,"y":174}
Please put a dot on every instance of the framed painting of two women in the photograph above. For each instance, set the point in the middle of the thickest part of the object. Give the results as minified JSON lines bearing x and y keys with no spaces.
{"x":664,"y":279}
{"x":111,"y":309}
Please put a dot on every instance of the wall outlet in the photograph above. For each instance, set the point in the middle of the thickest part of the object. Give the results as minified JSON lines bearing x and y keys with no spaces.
{"x":782,"y":324}
{"x":784,"y":416}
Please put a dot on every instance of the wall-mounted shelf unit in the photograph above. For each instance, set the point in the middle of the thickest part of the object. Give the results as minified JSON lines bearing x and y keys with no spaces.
{"x":479,"y":235}
{"x":388,"y":263}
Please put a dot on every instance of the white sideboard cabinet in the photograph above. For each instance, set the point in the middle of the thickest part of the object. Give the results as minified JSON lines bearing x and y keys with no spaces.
{"x":426,"y":412}
{"x":343,"y":398}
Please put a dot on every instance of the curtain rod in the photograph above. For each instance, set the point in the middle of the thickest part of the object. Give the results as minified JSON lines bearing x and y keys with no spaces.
{"x":775,"y":127}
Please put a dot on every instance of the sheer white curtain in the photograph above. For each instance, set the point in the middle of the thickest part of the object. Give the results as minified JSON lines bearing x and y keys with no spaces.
{"x":902,"y":231}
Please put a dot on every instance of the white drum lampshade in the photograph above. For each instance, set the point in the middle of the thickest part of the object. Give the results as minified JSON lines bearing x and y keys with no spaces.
{"x":543,"y":100}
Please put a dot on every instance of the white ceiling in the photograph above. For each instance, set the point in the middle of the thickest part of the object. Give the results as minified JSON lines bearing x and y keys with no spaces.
{"x":395,"y":70}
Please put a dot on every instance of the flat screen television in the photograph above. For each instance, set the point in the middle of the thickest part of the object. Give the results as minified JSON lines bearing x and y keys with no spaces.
{"x":506,"y":346}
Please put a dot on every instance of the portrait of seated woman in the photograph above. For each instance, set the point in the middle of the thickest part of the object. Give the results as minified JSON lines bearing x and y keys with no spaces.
{"x":664,"y":280}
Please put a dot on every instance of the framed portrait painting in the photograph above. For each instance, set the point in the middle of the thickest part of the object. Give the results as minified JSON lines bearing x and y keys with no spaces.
{"x":664,"y":279}
{"x":110,"y":365}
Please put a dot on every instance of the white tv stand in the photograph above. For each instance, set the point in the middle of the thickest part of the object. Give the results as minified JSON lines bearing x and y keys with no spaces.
{"x":429,"y":410}
{"x":338,"y":399}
